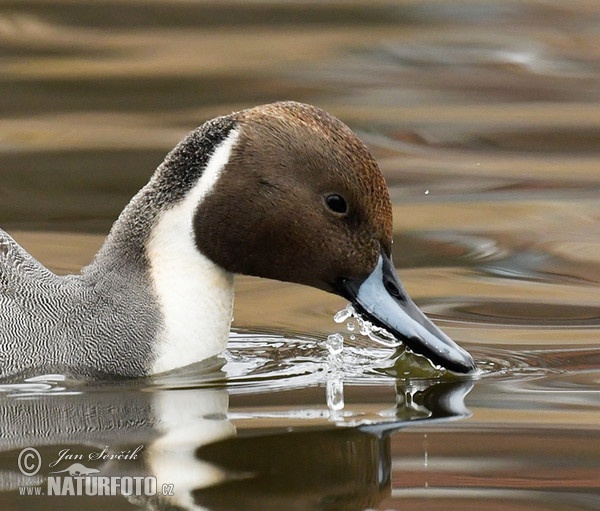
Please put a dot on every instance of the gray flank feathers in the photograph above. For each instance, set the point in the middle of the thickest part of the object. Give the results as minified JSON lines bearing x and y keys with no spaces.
{"x":105,"y":320}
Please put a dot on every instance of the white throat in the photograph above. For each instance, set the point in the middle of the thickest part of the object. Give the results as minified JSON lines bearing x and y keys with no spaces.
{"x":195,"y":295}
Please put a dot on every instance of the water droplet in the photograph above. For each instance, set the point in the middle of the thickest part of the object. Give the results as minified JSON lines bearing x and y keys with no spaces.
{"x":335,"y":393}
{"x":366,"y":328}
{"x":426,"y":456}
{"x":335,"y":344}
{"x":344,"y":314}
{"x":426,"y":192}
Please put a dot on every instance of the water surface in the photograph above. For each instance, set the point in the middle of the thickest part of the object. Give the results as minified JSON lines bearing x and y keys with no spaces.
{"x":486,"y":122}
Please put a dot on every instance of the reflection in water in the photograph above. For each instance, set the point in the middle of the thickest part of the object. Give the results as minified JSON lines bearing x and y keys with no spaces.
{"x":343,"y":470}
{"x":484,"y":117}
{"x":189,"y":441}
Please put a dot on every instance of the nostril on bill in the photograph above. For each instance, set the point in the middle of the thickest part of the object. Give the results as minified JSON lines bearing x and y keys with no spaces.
{"x":392,"y":288}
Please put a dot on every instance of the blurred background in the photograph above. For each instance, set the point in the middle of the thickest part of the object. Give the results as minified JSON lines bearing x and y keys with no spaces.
{"x":485,"y":119}
{"x":484,"y":116}
{"x":455,"y":98}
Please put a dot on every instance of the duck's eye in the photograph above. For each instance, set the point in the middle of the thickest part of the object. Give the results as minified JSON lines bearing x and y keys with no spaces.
{"x":336,"y":203}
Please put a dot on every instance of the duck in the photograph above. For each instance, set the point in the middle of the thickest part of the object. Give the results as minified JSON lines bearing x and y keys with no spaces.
{"x":282,"y":191}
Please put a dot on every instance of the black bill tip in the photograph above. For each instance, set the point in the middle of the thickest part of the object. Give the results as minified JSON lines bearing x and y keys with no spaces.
{"x":382,"y":299}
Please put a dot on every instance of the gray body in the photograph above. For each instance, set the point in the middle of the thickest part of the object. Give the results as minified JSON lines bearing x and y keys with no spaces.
{"x":104,"y":321}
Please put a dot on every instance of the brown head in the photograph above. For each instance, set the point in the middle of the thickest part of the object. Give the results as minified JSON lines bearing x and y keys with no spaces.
{"x":300,"y":199}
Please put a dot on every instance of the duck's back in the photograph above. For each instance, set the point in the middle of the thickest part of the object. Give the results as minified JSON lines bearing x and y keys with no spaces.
{"x":70,"y":323}
{"x":27,"y":288}
{"x":29,"y":294}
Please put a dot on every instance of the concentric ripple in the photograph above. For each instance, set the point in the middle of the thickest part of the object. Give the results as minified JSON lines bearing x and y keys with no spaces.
{"x":275,"y":361}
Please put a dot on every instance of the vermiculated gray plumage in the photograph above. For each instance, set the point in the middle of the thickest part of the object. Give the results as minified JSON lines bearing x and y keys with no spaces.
{"x":100,"y":322}
{"x":105,"y":320}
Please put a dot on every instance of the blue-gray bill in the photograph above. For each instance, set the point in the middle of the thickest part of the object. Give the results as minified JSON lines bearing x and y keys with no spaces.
{"x":381,"y":299}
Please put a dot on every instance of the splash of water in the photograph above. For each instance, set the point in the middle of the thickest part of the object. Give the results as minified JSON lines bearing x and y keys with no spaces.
{"x":400,"y":363}
{"x":365,"y":327}
{"x":335,"y":382}
{"x":335,"y":344}
{"x":335,"y":393}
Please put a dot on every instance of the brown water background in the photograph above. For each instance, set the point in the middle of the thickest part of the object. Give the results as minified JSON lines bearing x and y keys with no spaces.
{"x":484,"y":117}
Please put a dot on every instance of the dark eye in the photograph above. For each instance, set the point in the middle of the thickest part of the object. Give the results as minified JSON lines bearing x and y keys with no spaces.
{"x":336,"y":203}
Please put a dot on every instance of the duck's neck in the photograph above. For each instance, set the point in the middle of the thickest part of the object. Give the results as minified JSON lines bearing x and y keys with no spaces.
{"x":153,"y":241}
{"x":195,"y":295}
{"x":187,"y":167}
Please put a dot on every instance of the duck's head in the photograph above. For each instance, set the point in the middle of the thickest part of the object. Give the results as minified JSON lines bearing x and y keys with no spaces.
{"x":299,"y":198}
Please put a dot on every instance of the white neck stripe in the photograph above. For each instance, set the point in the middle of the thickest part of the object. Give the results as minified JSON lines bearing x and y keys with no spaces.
{"x":194,"y":294}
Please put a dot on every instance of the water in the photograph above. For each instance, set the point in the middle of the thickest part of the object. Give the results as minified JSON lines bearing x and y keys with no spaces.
{"x":486,"y":122}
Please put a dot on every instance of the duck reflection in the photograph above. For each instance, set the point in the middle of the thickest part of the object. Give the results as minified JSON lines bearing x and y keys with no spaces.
{"x":190,"y":447}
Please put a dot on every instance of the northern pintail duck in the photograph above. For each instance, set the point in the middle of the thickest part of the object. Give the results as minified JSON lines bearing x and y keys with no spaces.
{"x":283,"y":191}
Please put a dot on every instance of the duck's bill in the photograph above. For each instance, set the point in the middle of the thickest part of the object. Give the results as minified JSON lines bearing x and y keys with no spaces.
{"x":381,"y":299}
